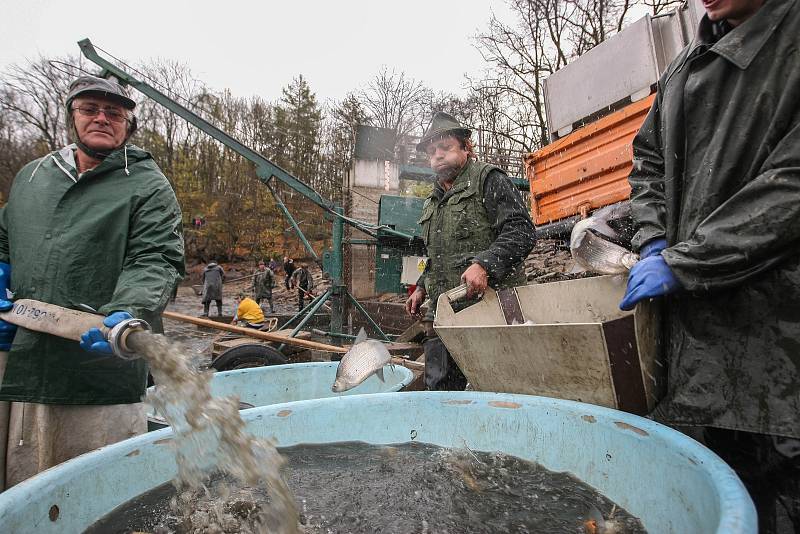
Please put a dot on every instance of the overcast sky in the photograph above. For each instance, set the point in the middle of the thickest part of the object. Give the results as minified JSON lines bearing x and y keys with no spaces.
{"x":256,"y":48}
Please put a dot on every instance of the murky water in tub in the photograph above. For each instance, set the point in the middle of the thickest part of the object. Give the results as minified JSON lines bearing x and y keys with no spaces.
{"x":408,"y":488}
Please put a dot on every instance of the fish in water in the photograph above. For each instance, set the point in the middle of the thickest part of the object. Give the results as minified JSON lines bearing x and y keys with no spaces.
{"x":597,"y":524}
{"x":592,"y":251}
{"x":365,"y":358}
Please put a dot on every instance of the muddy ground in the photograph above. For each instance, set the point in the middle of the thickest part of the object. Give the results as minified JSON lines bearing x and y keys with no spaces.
{"x":199,"y":340}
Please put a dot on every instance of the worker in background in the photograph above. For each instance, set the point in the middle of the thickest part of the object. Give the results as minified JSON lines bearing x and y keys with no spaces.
{"x":302,"y":280}
{"x":288,"y":269}
{"x":273,"y":265}
{"x":95,"y":224}
{"x":213,"y":277}
{"x":716,"y":200}
{"x":477,"y":232}
{"x":248,"y":312}
{"x":263,"y":282}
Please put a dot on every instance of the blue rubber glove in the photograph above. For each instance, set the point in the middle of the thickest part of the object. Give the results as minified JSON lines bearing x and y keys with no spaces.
{"x":652,"y":247}
{"x":649,"y":278}
{"x":7,"y":330}
{"x":93,"y":341}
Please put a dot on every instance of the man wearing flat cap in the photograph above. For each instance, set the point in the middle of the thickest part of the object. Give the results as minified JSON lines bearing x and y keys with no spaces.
{"x":94,"y":225}
{"x":477,"y":232}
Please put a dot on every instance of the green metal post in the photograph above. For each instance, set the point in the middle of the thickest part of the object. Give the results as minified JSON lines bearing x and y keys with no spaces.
{"x":338,"y":288}
{"x":309,"y":315}
{"x":299,"y":314}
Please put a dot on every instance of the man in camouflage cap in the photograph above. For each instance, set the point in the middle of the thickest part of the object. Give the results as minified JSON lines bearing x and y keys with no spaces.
{"x":477,"y":232}
{"x":95,"y":223}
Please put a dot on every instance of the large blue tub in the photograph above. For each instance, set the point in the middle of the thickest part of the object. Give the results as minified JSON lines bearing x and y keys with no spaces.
{"x":260,"y":386}
{"x":672,"y":483}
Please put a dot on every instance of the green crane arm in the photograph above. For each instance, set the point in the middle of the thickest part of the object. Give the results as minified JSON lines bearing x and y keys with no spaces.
{"x":265,"y":169}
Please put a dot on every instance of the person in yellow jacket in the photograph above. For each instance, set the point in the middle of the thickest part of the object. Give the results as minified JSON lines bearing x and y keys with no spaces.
{"x":248,"y":310}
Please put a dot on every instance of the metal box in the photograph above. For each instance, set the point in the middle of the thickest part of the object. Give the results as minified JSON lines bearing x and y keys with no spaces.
{"x":413,"y":266}
{"x":567,"y":340}
{"x":620,"y":70}
{"x":621,"y":67}
{"x":388,"y":267}
{"x":401,"y":213}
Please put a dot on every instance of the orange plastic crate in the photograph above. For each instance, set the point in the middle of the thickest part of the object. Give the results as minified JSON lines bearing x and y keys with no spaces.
{"x":586,"y":169}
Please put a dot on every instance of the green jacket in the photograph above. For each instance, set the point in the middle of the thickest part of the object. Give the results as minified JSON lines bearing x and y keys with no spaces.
{"x":480,"y":219}
{"x":717,"y":173}
{"x":109,"y":240}
{"x":263,"y":282}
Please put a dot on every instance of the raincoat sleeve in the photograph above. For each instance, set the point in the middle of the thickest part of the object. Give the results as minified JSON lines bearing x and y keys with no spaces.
{"x":754,"y":229}
{"x":4,"y":254}
{"x":511,"y":223}
{"x":647,"y":180}
{"x":154,"y":259}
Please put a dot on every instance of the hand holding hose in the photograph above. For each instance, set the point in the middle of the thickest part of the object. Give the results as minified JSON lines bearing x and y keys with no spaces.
{"x":7,"y":330}
{"x":93,"y":339}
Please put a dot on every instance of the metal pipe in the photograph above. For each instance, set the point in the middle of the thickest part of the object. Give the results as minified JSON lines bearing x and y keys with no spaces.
{"x":264,"y":167}
{"x":299,"y":314}
{"x":557,"y":229}
{"x":342,"y":336}
{"x":309,"y":315}
{"x":364,"y":312}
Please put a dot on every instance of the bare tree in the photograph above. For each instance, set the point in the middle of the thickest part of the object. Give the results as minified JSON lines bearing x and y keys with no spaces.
{"x":32,"y":96}
{"x":394,"y":101}
{"x":543,"y":37}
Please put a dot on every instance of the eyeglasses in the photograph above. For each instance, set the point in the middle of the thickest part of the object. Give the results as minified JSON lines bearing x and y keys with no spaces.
{"x":113,"y":115}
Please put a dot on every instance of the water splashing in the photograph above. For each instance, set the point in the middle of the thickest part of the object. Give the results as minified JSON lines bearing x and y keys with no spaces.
{"x":211,"y":439}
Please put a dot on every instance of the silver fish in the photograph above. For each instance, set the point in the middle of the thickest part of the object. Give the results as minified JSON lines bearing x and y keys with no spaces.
{"x":365,"y":358}
{"x":594,"y":253}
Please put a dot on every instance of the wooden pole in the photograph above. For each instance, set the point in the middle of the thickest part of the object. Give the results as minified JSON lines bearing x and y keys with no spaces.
{"x":257,"y":334}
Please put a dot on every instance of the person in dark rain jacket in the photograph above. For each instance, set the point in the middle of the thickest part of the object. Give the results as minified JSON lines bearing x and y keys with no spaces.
{"x":213,"y":277}
{"x":477,"y":231}
{"x":716,"y":200}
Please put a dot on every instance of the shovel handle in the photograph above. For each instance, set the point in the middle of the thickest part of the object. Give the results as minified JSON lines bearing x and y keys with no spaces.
{"x":257,"y":334}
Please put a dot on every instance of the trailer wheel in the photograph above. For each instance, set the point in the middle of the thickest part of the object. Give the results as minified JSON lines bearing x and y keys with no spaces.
{"x":246,"y":356}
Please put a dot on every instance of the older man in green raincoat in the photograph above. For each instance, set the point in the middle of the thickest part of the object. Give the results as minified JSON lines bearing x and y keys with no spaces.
{"x":716,"y":198}
{"x":93,"y":225}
